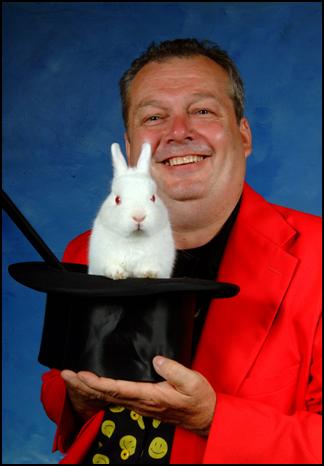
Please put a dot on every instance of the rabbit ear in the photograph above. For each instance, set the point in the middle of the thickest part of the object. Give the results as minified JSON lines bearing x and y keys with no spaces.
{"x":119,"y":162}
{"x":143,"y":164}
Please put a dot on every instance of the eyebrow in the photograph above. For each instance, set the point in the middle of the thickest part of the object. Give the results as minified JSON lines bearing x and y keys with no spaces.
{"x":160,"y":103}
{"x":205,"y":95}
{"x":208,"y":95}
{"x":150,"y":103}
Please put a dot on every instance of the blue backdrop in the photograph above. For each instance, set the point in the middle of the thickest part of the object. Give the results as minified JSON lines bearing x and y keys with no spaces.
{"x":61,"y":112}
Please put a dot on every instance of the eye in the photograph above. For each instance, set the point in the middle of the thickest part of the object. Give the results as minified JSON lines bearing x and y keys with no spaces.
{"x":153,"y":198}
{"x":117,"y":200}
{"x":203,"y":111}
{"x":153,"y":118}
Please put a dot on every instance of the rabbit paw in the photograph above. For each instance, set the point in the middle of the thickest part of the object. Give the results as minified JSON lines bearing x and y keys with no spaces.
{"x":116,"y":272}
{"x":148,"y":272}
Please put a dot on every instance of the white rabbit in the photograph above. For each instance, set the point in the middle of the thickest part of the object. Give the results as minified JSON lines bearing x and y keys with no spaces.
{"x":131,"y":235}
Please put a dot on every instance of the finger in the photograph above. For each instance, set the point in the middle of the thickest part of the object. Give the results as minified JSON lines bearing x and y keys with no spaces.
{"x":74,"y":383}
{"x":120,"y":389}
{"x":67,"y":375}
{"x":71,"y":379}
{"x":180,"y":377}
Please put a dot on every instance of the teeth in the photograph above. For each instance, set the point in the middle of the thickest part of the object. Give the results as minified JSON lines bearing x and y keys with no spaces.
{"x":184,"y":160}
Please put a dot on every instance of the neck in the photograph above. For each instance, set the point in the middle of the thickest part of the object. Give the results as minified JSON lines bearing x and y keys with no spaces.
{"x":195,"y":237}
{"x":193,"y":226}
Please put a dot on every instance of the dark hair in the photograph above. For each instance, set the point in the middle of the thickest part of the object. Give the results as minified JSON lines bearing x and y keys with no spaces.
{"x":184,"y":48}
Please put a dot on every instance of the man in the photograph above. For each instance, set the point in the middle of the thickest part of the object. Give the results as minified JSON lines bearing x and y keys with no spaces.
{"x":253,"y":393}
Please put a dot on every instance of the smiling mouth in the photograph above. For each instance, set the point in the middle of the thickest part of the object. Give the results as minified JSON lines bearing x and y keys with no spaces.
{"x":183,"y":160}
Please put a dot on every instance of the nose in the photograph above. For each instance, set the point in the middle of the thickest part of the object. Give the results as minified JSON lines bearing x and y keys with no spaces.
{"x":138,"y":218}
{"x":180,"y":130}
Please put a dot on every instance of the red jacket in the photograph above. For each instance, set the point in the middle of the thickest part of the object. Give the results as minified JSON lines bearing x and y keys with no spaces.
{"x":260,"y":350}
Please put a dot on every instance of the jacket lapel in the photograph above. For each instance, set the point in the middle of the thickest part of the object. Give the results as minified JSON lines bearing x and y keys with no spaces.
{"x":257,"y":260}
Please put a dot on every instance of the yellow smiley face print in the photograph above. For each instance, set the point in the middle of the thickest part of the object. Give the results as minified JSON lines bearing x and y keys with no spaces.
{"x":128,"y":446}
{"x":108,"y":427}
{"x":136,"y":417}
{"x":158,"y":448}
{"x":100,"y":459}
{"x":156,"y":423}
{"x":116,"y":409}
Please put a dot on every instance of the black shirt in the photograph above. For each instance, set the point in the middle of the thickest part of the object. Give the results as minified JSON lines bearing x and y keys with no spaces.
{"x":127,"y":437}
{"x":204,"y":262}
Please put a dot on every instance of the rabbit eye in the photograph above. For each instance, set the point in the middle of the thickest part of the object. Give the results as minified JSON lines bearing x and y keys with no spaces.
{"x":153,"y":198}
{"x":117,"y":200}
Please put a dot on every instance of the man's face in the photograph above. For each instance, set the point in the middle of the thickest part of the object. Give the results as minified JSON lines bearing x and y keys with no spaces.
{"x":183,"y":109}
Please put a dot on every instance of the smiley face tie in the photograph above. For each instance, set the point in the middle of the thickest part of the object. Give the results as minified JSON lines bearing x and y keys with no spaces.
{"x":127,"y":437}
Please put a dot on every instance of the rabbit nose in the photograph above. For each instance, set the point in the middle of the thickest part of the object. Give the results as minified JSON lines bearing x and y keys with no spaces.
{"x":138,"y":218}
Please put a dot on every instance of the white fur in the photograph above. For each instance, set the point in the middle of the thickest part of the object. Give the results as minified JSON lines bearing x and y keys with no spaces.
{"x":117,"y":249}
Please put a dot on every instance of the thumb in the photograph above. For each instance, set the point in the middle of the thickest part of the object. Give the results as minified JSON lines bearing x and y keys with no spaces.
{"x":177,"y":375}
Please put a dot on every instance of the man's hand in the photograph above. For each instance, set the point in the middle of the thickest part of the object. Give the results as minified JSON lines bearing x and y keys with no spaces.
{"x":185,"y":397}
{"x":85,"y":401}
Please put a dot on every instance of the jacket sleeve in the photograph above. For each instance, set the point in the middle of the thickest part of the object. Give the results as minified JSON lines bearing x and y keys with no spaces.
{"x":250,"y":432}
{"x":53,"y":392}
{"x":59,"y":409}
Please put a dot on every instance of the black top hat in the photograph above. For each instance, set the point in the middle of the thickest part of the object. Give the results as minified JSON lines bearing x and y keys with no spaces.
{"x":111,"y":327}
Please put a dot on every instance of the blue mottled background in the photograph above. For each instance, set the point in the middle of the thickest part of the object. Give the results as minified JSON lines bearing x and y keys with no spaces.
{"x":61,"y":112}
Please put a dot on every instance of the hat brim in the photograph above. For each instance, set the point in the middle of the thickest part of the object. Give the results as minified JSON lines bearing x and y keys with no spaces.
{"x":75,"y":280}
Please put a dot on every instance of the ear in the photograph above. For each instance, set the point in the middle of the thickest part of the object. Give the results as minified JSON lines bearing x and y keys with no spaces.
{"x":127,"y":145}
{"x":144,"y":161}
{"x":246,"y":135}
{"x":119,"y":163}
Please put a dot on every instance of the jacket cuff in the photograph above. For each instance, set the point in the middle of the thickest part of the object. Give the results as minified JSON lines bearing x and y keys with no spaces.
{"x":59,"y":409}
